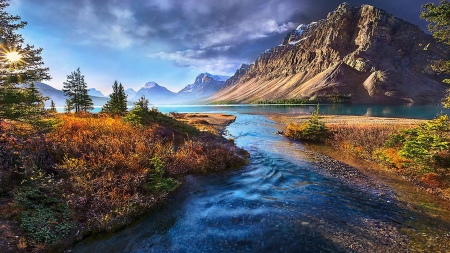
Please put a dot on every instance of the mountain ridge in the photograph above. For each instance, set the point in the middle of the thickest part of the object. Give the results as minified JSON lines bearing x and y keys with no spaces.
{"x":204,"y":85}
{"x":364,"y":54}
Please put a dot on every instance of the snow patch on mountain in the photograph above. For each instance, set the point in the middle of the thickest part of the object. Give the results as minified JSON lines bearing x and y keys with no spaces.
{"x":150,"y":85}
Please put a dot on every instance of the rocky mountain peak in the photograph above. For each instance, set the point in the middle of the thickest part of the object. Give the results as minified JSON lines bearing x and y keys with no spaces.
{"x":203,"y":78}
{"x":205,"y":84}
{"x":150,"y":85}
{"x":363,"y":53}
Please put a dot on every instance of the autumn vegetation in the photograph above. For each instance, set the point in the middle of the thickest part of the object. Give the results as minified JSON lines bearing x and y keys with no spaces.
{"x":90,"y":173}
{"x":420,"y":153}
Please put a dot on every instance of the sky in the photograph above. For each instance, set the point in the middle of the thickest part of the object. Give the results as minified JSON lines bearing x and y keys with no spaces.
{"x":168,"y":41}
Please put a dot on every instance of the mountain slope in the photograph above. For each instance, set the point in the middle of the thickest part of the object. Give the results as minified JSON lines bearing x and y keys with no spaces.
{"x":130,"y":93}
{"x":58,"y":95}
{"x":204,"y":85}
{"x":364,"y":54}
{"x":95,"y":93}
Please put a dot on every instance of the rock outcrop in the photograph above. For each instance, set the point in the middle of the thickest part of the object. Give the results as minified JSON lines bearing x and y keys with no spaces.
{"x":364,"y":54}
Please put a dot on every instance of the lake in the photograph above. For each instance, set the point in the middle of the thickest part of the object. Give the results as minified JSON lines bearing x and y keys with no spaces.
{"x":396,"y":111}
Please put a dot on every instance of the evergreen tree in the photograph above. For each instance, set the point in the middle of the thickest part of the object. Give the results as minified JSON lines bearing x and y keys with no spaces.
{"x":86,"y":103}
{"x":20,"y":67}
{"x":117,"y":103}
{"x":68,"y":106}
{"x":439,"y":26}
{"x":140,"y":113}
{"x":52,"y":107}
{"x":76,"y":89}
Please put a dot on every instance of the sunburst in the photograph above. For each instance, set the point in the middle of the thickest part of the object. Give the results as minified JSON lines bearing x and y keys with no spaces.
{"x":11,"y":59}
{"x":13,"y":56}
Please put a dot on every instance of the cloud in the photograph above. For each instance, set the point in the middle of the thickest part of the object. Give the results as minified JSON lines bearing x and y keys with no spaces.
{"x":192,"y":33}
{"x":113,"y":27}
{"x":198,"y":60}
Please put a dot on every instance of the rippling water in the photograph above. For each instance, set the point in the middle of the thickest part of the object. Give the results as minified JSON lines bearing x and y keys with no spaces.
{"x":277,"y":203}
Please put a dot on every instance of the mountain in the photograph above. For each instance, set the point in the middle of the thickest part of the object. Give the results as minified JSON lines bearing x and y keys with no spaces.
{"x":58,"y":95}
{"x":95,"y":93}
{"x":54,"y":94}
{"x":155,"y":94}
{"x":238,"y":75}
{"x":204,"y":85}
{"x":364,"y":55}
{"x":130,"y":93}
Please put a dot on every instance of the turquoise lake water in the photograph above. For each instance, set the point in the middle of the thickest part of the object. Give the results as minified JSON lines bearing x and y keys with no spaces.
{"x":397,"y":111}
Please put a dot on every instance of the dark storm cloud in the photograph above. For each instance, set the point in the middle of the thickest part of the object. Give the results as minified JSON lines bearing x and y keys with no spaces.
{"x":198,"y":32}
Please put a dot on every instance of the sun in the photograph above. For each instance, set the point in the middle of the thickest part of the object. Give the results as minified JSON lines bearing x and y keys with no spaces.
{"x":13,"y":56}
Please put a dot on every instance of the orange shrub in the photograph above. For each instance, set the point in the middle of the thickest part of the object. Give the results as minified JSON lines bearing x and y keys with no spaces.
{"x":432,"y":180}
{"x":361,"y":140}
{"x":107,"y":164}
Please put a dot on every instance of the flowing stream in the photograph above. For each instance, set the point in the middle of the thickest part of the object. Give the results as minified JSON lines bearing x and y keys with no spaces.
{"x":279,"y":202}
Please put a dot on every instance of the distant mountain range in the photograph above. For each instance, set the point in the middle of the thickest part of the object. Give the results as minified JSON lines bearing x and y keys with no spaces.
{"x":58,"y":95}
{"x":95,"y":93}
{"x":360,"y":54}
{"x":204,"y":86}
{"x":130,"y":92}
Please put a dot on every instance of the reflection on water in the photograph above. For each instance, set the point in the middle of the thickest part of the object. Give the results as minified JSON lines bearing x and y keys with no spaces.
{"x":277,"y":203}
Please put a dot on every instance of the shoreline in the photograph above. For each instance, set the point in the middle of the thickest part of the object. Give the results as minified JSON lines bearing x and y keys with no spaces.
{"x":421,"y":207}
{"x":15,"y":239}
{"x":359,"y":171}
{"x":346,"y":119}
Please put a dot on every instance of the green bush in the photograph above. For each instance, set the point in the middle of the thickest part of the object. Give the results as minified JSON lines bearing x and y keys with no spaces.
{"x":158,"y":182}
{"x":312,"y":130}
{"x":45,"y":219}
{"x":424,"y":144}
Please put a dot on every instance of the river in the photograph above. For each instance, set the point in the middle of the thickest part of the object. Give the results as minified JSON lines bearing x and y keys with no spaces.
{"x":279,"y":202}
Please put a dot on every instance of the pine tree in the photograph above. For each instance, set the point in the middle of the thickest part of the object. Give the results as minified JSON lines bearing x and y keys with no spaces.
{"x":20,"y":67}
{"x":140,"y":113}
{"x":68,"y":106}
{"x":86,"y":103}
{"x":75,"y":88}
{"x":52,"y":107}
{"x":439,"y":26}
{"x":117,"y":103}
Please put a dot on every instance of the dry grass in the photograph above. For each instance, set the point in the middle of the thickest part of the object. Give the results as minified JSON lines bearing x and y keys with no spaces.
{"x":212,"y":123}
{"x":360,"y":140}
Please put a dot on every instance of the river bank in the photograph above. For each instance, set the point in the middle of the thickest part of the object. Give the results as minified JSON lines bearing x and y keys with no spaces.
{"x":365,"y":139}
{"x":352,"y":166}
{"x":99,"y":174}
